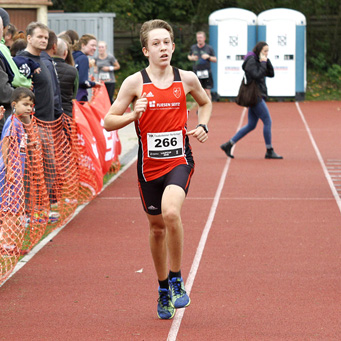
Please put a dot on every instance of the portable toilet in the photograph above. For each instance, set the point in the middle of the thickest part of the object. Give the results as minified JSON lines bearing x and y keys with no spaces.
{"x":232,"y":34}
{"x":284,"y":30}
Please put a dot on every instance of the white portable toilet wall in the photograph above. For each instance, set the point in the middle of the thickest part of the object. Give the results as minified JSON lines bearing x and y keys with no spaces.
{"x":284,"y":30}
{"x":233,"y":33}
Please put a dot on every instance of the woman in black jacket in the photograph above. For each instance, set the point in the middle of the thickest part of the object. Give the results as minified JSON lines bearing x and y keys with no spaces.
{"x":257,"y":66}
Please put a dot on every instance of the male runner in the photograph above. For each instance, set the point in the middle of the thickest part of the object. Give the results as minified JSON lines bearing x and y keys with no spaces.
{"x":165,"y":163}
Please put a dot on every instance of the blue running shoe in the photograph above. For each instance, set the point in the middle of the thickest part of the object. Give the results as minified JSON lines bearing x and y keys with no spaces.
{"x":165,"y":308}
{"x":179,"y":296}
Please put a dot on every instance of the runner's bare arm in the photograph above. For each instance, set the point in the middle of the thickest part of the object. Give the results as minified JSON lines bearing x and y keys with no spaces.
{"x":193,"y":87}
{"x":129,"y":91}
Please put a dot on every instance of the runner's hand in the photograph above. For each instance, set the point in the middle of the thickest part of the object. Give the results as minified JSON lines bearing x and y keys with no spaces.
{"x":199,"y":133}
{"x":140,"y":106}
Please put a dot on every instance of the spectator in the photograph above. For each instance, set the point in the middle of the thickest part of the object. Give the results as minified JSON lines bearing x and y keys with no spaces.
{"x":15,"y":77}
{"x":67,"y":75}
{"x":47,"y":58}
{"x":37,"y":39}
{"x":25,"y":65}
{"x":19,"y":35}
{"x":73,"y":36}
{"x":12,"y":171}
{"x":257,"y":66}
{"x":86,"y":46}
{"x":10,"y":34}
{"x":202,"y":55}
{"x":6,"y":89}
{"x":69,"y":59}
{"x":18,"y":45}
{"x":106,"y":64}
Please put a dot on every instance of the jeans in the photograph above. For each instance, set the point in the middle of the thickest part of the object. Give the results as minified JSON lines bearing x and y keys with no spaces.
{"x":259,"y":111}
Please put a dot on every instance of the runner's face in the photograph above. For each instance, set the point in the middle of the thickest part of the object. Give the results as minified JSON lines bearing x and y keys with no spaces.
{"x":160,"y":47}
{"x":90,"y":48}
{"x":39,"y":39}
{"x":23,"y":107}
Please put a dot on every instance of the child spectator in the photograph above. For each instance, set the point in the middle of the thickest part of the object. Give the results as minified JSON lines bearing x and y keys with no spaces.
{"x":12,"y":167}
{"x":18,"y":45}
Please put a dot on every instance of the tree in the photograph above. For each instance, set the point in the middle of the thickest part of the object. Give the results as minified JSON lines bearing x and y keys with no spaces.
{"x":323,"y":16}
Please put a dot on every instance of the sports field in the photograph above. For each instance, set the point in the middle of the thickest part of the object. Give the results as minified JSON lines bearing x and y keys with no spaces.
{"x":262,"y":258}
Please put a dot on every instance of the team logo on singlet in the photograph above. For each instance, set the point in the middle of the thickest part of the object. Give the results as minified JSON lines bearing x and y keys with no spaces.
{"x":177,"y":92}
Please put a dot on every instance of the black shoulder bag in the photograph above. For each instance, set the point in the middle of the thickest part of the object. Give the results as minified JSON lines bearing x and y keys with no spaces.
{"x":249,"y":93}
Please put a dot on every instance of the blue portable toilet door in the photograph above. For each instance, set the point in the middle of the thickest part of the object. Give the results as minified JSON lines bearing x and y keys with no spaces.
{"x":232,"y":42}
{"x":281,"y":38}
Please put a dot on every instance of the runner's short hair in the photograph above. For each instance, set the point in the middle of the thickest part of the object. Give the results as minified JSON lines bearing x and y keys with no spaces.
{"x":152,"y":25}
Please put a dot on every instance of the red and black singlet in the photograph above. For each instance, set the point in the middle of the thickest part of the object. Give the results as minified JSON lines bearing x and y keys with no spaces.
{"x":161,"y":130}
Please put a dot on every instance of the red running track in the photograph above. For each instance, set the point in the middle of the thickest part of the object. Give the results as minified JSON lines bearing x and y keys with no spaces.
{"x":269,"y":268}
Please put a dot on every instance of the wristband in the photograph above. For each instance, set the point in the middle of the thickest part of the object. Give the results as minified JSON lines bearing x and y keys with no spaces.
{"x":204,"y":126}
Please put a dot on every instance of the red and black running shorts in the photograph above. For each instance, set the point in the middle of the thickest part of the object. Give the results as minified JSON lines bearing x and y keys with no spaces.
{"x":151,"y":191}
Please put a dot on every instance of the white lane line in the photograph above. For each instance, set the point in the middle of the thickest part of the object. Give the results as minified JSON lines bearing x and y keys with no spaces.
{"x":232,"y":198}
{"x":173,"y":332}
{"x":319,"y":156}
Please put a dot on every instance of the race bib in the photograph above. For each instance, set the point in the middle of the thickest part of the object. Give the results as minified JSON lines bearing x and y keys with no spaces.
{"x":165,"y":145}
{"x":202,"y":74}
{"x":104,"y":76}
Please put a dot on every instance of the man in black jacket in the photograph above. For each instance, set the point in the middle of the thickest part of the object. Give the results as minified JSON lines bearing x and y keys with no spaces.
{"x":46,"y":57}
{"x":67,"y":75}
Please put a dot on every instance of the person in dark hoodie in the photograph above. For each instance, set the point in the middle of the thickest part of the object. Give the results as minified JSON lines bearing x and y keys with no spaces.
{"x":86,"y":46}
{"x":257,"y":66}
{"x":47,"y":57}
{"x":37,"y":39}
{"x":67,"y":75}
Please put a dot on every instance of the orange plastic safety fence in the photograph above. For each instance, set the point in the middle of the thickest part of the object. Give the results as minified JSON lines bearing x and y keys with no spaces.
{"x":45,"y":173}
